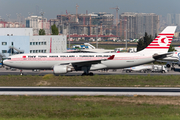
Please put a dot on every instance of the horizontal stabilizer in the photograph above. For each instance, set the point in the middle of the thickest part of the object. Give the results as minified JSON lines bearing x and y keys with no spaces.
{"x":111,"y":57}
{"x":161,"y":56}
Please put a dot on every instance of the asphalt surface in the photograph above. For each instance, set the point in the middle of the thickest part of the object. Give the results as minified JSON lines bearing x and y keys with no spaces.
{"x":3,"y":71}
{"x":90,"y":91}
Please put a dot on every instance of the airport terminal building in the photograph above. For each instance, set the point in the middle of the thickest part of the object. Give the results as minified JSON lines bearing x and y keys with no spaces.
{"x":21,"y":40}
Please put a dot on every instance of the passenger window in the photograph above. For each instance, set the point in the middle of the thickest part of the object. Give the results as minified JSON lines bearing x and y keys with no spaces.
{"x":53,"y":56}
{"x":71,"y":56}
{"x":106,"y":56}
{"x":62,"y":56}
{"x":42,"y":56}
{"x":98,"y":55}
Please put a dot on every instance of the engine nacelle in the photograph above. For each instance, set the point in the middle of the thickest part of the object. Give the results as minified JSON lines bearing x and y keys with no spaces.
{"x":168,"y":65}
{"x":61,"y":69}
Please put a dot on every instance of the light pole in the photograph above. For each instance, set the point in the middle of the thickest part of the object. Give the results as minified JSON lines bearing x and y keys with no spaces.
{"x":69,"y":34}
{"x":42,"y":13}
{"x":126,"y":32}
{"x":8,"y":15}
{"x":97,"y":36}
{"x":31,"y":21}
{"x":18,"y":18}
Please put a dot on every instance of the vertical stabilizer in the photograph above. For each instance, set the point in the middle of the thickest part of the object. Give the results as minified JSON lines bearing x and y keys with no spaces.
{"x":161,"y":43}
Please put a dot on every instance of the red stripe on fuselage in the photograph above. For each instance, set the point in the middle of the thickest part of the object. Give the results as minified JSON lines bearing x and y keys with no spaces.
{"x":76,"y":58}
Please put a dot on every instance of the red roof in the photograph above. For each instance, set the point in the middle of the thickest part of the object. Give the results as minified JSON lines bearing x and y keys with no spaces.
{"x":75,"y":35}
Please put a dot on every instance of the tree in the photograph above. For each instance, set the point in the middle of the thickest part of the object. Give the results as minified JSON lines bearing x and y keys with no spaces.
{"x":171,"y":49}
{"x":54,"y":30}
{"x":2,"y":56}
{"x":42,"y":32}
{"x":144,"y":42}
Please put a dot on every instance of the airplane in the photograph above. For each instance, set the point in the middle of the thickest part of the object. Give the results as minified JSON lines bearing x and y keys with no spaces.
{"x":62,"y":63}
{"x":171,"y":60}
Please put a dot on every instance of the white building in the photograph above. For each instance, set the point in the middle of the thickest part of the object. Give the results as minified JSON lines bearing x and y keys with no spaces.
{"x":21,"y":40}
{"x":16,"y":32}
{"x":37,"y":23}
{"x":48,"y":44}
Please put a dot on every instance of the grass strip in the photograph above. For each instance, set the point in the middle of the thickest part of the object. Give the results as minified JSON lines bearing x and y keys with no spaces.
{"x":92,"y":81}
{"x":89,"y":107}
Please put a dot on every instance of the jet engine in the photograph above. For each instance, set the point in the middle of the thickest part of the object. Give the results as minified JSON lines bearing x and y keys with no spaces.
{"x":179,"y":63}
{"x":61,"y":69}
{"x":168,"y":64}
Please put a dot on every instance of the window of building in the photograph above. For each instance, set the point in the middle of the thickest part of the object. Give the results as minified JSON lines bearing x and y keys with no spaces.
{"x":44,"y":43}
{"x":34,"y":43}
{"x":4,"y":51}
{"x":4,"y":43}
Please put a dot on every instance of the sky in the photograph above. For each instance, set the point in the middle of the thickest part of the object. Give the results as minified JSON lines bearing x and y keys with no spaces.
{"x":52,"y":8}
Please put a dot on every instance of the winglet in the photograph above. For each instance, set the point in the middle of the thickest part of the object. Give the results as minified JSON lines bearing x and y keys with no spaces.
{"x":111,"y":57}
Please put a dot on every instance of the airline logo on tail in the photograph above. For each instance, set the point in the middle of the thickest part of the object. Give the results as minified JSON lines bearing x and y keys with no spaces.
{"x":162,"y":41}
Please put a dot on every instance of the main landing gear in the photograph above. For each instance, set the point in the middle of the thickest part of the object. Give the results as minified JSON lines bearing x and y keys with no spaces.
{"x":86,"y":71}
{"x":86,"y":74}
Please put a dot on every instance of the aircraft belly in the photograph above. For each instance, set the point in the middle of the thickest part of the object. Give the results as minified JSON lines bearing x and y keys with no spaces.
{"x":33,"y":64}
{"x":118,"y":64}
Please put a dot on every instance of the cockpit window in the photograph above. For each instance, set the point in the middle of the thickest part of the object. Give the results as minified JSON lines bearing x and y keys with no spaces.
{"x":8,"y":59}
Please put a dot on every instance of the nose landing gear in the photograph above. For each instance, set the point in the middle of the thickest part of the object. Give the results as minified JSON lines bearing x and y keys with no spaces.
{"x":21,"y":73}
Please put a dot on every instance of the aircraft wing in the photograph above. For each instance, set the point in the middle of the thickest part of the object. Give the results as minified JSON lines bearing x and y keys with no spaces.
{"x":89,"y":62}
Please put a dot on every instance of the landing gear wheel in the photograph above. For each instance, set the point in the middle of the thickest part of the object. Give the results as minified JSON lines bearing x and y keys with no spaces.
{"x":83,"y":74}
{"x":86,"y":74}
{"x":91,"y":74}
{"x":21,"y":74}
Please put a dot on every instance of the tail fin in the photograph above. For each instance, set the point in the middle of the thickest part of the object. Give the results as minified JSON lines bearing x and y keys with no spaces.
{"x":162,"y":42}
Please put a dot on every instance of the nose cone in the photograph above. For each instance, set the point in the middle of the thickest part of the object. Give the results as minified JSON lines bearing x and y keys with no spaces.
{"x":5,"y":62}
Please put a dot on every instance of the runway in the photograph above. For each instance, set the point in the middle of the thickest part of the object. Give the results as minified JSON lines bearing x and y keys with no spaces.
{"x":3,"y":71}
{"x":90,"y":91}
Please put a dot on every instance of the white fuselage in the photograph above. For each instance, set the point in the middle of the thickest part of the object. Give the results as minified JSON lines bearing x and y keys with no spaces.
{"x":48,"y":60}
